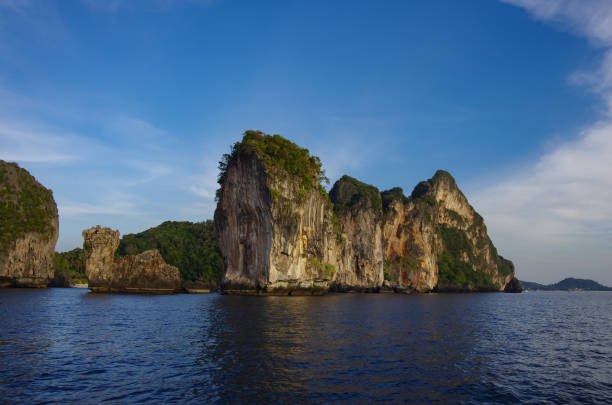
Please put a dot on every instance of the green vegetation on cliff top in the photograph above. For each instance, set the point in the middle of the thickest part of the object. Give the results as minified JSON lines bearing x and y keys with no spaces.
{"x":25,"y":206}
{"x":348,"y":191}
{"x":279,"y":156}
{"x":388,"y":196}
{"x":192,"y":247}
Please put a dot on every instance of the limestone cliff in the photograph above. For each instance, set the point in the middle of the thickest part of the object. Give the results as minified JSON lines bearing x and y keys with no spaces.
{"x":280,"y":233}
{"x":28,"y":229}
{"x":410,"y":243}
{"x":146,"y":272}
{"x":358,"y":207}
{"x":274,"y":221}
{"x":436,"y":240}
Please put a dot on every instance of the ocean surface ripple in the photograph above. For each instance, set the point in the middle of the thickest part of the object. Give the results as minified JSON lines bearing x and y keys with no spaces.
{"x":69,"y":345}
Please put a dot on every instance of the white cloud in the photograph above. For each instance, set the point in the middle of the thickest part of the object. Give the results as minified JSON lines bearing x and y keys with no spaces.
{"x":590,"y":18}
{"x":554,"y":217}
{"x":564,"y":197}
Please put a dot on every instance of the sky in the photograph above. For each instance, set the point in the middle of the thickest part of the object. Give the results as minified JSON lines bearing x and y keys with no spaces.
{"x":124,"y":108}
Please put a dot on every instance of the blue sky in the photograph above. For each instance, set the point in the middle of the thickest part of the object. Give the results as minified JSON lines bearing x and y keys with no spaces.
{"x":123,"y":108}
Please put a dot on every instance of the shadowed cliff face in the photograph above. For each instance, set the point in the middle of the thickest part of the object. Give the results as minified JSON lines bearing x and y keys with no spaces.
{"x":275,"y":227}
{"x":28,"y":229}
{"x":244,"y":220}
{"x":146,"y":272}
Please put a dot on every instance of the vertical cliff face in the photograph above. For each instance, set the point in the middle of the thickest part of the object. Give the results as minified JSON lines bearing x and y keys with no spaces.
{"x":436,"y":240}
{"x":146,"y":272}
{"x":28,"y":229}
{"x":410,"y":243}
{"x":274,"y":221}
{"x":358,"y":208}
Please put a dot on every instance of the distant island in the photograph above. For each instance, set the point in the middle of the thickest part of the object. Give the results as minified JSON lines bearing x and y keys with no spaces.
{"x":568,"y":284}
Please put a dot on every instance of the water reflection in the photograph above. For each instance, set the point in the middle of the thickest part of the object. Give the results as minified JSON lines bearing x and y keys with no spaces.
{"x":337,"y":347}
{"x":66,"y":345}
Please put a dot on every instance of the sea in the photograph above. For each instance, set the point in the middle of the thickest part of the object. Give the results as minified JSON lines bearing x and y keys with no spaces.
{"x":72,"y":346}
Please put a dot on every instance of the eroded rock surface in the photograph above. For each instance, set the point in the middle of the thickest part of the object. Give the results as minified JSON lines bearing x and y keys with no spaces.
{"x":28,"y":229}
{"x":360,"y":254}
{"x":146,"y":272}
{"x":280,"y":233}
{"x":436,"y":240}
{"x":274,"y":222}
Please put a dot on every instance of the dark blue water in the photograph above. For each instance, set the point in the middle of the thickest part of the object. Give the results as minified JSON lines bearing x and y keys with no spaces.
{"x":68,"y":345}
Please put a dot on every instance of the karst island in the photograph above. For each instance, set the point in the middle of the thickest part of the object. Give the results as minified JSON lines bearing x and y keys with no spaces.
{"x":277,"y":231}
{"x":281,"y":233}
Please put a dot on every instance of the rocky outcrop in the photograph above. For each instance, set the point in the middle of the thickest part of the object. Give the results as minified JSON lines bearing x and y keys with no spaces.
{"x":358,"y":207}
{"x":146,"y":272}
{"x":514,"y":286}
{"x":435,"y":240}
{"x":280,"y":233}
{"x":274,"y":221}
{"x":28,"y":229}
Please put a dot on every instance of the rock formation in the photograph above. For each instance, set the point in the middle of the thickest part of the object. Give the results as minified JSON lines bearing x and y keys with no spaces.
{"x":28,"y":229}
{"x":280,"y":233}
{"x":146,"y":272}
{"x":410,"y":243}
{"x":274,"y":221}
{"x":514,"y":286}
{"x":436,"y":240}
{"x":358,"y":207}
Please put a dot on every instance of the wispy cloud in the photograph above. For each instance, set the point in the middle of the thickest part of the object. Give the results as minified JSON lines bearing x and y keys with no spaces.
{"x":29,"y":143}
{"x":590,"y":18}
{"x":14,"y":5}
{"x":147,"y":5}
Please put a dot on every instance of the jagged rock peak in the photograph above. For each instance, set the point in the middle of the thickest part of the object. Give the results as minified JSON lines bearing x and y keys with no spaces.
{"x":28,"y":229}
{"x":146,"y":272}
{"x":429,"y":187}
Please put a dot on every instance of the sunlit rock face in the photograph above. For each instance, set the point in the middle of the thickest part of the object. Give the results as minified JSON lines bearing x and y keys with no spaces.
{"x":28,"y":229}
{"x":146,"y":272}
{"x":410,"y":241}
{"x":435,"y":240}
{"x":358,"y":208}
{"x":280,"y":233}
